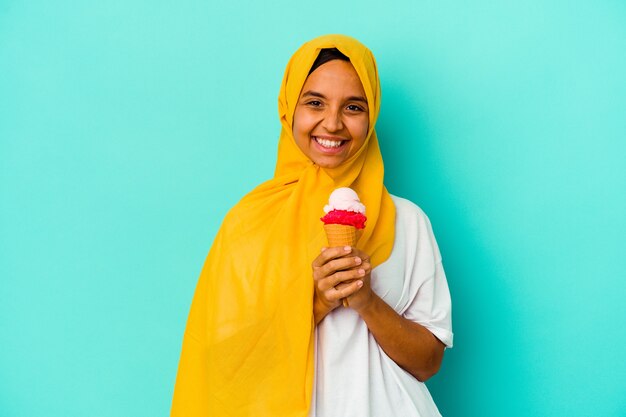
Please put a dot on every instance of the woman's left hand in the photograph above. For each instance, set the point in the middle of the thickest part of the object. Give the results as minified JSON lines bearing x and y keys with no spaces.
{"x":361,"y":298}
{"x":336,"y":275}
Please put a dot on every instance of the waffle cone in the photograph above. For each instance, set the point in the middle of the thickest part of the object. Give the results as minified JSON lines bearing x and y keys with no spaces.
{"x":341,"y":235}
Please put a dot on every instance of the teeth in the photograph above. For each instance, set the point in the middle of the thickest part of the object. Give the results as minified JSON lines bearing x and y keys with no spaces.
{"x":329,"y":143}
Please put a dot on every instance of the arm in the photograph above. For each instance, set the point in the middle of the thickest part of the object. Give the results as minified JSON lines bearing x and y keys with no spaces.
{"x":340,"y":273}
{"x":412,"y":346}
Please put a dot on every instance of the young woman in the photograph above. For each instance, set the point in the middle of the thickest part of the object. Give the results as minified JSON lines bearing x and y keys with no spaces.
{"x":268,"y":333}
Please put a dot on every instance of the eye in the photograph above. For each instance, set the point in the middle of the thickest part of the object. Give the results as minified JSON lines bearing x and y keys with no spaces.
{"x":314,"y":103}
{"x":355,"y":108}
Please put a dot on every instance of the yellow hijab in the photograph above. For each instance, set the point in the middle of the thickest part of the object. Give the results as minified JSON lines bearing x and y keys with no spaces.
{"x":248,"y":345}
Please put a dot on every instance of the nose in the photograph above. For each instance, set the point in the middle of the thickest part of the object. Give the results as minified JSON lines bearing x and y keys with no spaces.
{"x":332,"y":120}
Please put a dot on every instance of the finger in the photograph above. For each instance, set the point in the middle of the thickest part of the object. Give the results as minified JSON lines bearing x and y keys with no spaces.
{"x":351,"y":265}
{"x":340,"y":264}
{"x":360,"y":254}
{"x":336,"y":294}
{"x":341,"y":277}
{"x":344,"y":264}
{"x":331,"y":253}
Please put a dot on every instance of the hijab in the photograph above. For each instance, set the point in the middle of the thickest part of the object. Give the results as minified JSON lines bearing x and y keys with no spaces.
{"x":248,"y":348}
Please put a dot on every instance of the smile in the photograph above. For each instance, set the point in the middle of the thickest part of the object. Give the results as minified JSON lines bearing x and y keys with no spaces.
{"x":329,"y":143}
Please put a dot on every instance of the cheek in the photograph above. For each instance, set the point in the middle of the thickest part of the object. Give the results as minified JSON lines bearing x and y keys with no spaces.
{"x":303,"y":124}
{"x":300,"y":131}
{"x":359,"y":129}
{"x":297,"y":122}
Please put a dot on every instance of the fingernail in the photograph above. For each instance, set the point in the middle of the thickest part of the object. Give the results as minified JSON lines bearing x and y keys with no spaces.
{"x":323,"y":249}
{"x":359,"y":284}
{"x":361,"y":271}
{"x":347,"y":248}
{"x":357,"y":260}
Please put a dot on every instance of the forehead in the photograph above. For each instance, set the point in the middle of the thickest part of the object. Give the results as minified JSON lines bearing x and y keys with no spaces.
{"x":333,"y":75}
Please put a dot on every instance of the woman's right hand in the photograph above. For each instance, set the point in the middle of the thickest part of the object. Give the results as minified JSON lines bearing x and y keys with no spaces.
{"x":337,"y":273}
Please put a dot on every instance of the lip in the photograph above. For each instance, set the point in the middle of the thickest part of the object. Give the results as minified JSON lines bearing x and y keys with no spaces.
{"x":329,"y":151}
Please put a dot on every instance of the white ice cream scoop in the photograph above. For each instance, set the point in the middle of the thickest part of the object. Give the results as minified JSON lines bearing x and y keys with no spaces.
{"x":344,"y":198}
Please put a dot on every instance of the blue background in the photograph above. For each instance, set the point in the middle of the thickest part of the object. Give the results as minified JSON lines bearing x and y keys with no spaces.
{"x":129,"y":127}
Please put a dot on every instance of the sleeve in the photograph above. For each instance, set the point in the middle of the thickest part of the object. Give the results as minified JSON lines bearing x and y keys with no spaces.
{"x":430,"y":305}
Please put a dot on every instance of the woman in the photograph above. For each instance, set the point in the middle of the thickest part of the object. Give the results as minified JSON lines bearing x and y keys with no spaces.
{"x":267,"y":334}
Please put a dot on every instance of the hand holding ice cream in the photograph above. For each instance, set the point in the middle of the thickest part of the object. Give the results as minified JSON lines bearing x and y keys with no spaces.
{"x":344,"y":220}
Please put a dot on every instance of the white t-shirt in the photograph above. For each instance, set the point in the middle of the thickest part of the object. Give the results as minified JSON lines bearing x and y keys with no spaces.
{"x":354,"y":377}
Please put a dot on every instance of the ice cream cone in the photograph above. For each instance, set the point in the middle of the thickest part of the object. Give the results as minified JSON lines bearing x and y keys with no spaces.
{"x":344,"y":220}
{"x":342,"y":235}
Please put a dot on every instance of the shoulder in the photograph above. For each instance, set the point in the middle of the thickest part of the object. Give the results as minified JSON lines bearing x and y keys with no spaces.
{"x":413,"y":225}
{"x":407,"y":210}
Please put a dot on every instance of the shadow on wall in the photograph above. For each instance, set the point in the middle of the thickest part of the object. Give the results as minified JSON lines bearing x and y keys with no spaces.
{"x":485,"y":314}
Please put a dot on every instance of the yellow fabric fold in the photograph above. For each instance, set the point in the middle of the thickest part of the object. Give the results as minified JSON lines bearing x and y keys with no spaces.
{"x":248,"y":345}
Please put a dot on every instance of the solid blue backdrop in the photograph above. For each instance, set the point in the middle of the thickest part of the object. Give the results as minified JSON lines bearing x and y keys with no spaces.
{"x":128,"y":128}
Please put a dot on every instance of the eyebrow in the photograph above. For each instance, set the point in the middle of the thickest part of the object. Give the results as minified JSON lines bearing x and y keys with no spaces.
{"x":311,"y":93}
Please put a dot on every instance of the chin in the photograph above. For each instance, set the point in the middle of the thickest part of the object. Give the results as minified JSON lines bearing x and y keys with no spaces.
{"x":327,"y":164}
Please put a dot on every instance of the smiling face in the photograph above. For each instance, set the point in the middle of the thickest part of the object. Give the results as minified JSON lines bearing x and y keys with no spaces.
{"x":331,"y":118}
